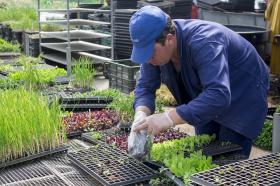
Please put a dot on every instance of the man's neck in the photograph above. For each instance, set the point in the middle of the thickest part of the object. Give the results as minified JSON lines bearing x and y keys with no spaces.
{"x":176,"y":58}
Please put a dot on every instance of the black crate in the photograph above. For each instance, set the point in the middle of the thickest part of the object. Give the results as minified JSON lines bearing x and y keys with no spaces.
{"x":124,"y":69}
{"x":34,"y":156}
{"x":17,"y":36}
{"x":110,"y":166}
{"x":122,"y":75}
{"x":121,"y":84}
{"x":238,"y":5}
{"x":260,"y":171}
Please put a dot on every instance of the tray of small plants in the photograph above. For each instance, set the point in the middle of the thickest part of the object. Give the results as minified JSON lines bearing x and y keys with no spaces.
{"x":178,"y":167}
{"x":89,"y":99}
{"x":111,"y":166}
{"x":260,"y":171}
{"x":79,"y":122}
{"x":33,"y":130}
{"x":19,"y":64}
{"x":117,"y":136}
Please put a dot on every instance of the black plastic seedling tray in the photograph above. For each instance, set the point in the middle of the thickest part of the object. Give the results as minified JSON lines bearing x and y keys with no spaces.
{"x":110,"y":166}
{"x":35,"y":156}
{"x":53,"y":171}
{"x":228,"y":158}
{"x":260,"y":171}
{"x":82,"y":107}
{"x":83,"y":103}
{"x":64,"y":99}
{"x":74,"y":134}
{"x":218,"y":148}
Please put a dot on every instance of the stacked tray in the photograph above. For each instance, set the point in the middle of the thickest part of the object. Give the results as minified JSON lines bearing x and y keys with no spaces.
{"x":182,"y":9}
{"x":123,"y":4}
{"x":122,"y":42}
{"x":166,"y":6}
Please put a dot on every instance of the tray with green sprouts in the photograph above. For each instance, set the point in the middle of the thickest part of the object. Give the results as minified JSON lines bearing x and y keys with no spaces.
{"x":260,"y":171}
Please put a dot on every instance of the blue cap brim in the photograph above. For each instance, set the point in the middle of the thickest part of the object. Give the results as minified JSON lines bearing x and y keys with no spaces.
{"x":142,"y":55}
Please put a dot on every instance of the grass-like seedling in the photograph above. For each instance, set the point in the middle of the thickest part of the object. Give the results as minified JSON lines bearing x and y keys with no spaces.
{"x":107,"y":93}
{"x":23,"y":60}
{"x":28,"y":124}
{"x":8,"y":47}
{"x":123,"y":105}
{"x":24,"y":18}
{"x":36,"y":78}
{"x":83,"y":73}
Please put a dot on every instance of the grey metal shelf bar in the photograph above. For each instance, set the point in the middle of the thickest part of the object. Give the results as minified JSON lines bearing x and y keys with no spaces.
{"x":76,"y":46}
{"x":72,"y":10}
{"x":98,"y":59}
{"x":75,"y":34}
{"x":70,"y":47}
{"x":75,"y":22}
{"x":56,"y":58}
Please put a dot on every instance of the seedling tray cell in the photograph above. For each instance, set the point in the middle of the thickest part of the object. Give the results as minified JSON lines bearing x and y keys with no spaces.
{"x":35,"y":156}
{"x":110,"y":166}
{"x":260,"y":171}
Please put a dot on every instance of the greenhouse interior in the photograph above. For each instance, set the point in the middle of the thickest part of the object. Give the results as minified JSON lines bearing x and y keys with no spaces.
{"x":139,"y":92}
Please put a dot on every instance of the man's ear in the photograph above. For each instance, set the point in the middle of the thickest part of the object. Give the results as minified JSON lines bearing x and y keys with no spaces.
{"x":169,"y":38}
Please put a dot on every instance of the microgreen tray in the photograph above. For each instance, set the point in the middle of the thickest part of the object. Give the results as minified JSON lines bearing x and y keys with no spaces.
{"x":110,"y":166}
{"x":84,"y":100}
{"x":34,"y":156}
{"x":82,"y":107}
{"x":260,"y":171}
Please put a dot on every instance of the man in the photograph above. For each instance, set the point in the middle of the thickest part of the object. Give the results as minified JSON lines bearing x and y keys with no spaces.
{"x":216,"y":76}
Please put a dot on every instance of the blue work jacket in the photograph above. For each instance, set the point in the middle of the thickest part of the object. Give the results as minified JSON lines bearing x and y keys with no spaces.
{"x":223,"y":79}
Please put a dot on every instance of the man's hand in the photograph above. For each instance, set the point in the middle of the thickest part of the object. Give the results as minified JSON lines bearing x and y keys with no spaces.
{"x":155,"y":123}
{"x":137,"y":141}
{"x":139,"y":118}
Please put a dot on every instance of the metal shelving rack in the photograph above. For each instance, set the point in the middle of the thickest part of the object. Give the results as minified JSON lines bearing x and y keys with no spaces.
{"x":73,"y":38}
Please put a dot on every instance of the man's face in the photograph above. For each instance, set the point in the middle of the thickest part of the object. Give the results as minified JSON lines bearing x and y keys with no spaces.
{"x":162,"y":53}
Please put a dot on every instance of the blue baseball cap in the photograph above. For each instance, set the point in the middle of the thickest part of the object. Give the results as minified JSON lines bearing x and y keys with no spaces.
{"x":145,"y":26}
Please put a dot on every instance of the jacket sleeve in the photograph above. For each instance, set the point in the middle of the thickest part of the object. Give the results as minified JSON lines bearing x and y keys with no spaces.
{"x":146,"y":87}
{"x":211,"y":64}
